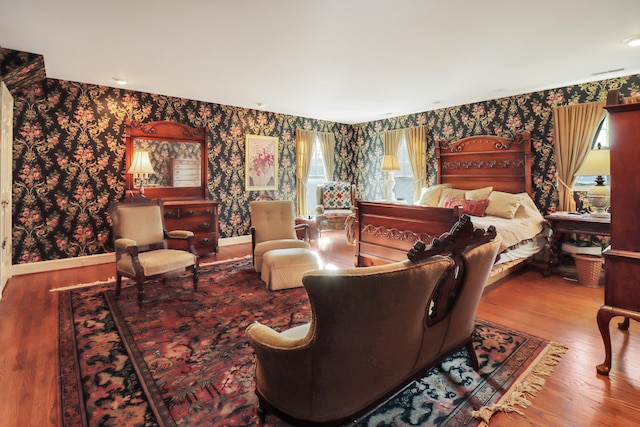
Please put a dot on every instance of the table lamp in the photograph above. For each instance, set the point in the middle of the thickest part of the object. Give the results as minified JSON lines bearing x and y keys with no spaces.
{"x":389,"y":165}
{"x":141,"y":169}
{"x":597,"y":163}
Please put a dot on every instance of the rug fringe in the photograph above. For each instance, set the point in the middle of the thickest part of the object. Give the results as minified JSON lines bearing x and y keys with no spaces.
{"x":111,"y":280}
{"x":529,"y":386}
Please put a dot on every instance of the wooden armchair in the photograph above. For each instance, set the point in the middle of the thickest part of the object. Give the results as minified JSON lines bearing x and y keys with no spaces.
{"x":335,"y":203}
{"x":140,"y":241}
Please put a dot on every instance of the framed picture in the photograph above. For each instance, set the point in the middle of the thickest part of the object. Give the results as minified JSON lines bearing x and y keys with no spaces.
{"x":261,"y":163}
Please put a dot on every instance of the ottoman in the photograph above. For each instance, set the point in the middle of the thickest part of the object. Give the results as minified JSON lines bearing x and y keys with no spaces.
{"x":283,"y":268}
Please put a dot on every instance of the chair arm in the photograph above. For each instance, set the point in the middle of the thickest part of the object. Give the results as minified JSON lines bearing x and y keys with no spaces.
{"x":267,"y":338}
{"x":122,"y":244}
{"x":179,"y":234}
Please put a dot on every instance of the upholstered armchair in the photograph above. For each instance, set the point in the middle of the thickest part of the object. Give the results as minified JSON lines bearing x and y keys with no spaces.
{"x":273,"y":227}
{"x":140,"y":241}
{"x":372,"y":331}
{"x":335,"y":202}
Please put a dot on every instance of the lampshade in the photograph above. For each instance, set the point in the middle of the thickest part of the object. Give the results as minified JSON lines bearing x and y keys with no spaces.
{"x":596,"y":163}
{"x":390,"y":163}
{"x":141,"y":163}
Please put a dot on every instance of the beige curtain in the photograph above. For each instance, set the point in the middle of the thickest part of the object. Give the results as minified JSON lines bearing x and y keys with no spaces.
{"x":328,"y":147}
{"x":304,"y":151}
{"x":575,"y":127}
{"x":392,"y":140}
{"x":631,"y":99}
{"x":416,"y":138}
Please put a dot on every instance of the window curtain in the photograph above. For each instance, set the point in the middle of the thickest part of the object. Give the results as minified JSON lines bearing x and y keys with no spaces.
{"x":575,"y":127}
{"x":631,"y":99}
{"x":328,"y":147}
{"x":304,"y":151}
{"x":416,"y":139}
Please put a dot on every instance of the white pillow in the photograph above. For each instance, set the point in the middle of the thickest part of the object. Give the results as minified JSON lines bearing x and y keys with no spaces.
{"x":504,"y":205}
{"x":431,"y":195}
{"x":479,"y":194}
{"x":451,"y":193}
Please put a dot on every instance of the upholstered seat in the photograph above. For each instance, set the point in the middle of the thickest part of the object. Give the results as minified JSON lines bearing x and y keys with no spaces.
{"x":140,"y":242}
{"x":273,"y":227}
{"x":283,"y":268}
{"x":372,"y":330}
{"x":335,"y":202}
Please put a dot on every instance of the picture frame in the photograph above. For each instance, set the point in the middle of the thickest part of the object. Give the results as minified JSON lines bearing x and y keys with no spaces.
{"x":261,"y":163}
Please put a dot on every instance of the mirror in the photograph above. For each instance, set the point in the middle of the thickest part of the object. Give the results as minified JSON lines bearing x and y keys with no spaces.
{"x":178,"y":160}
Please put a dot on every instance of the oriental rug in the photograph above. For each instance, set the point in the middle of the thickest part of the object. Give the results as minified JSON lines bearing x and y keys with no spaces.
{"x":183,"y":358}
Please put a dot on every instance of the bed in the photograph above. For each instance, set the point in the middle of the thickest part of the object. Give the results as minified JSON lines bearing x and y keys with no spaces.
{"x":483,"y":166}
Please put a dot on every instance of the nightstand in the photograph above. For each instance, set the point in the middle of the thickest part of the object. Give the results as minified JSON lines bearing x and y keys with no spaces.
{"x":564,"y":222}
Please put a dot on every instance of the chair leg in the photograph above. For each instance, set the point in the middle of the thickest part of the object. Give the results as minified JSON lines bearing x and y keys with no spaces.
{"x":472,"y":355}
{"x":195,"y":278}
{"x":140,"y":293}
{"x":118,"y":285}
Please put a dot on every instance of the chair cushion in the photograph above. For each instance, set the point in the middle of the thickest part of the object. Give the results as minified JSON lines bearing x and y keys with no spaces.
{"x":157,"y":262}
{"x":336,"y":195}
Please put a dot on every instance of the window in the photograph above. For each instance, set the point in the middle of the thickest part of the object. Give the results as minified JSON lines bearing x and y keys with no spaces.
{"x":584,"y":183}
{"x":316,"y":176}
{"x":404,"y":177}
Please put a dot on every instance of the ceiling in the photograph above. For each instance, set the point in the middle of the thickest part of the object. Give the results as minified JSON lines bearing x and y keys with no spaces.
{"x":346,"y":61}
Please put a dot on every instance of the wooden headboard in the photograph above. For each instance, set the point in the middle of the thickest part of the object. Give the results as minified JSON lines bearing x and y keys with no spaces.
{"x":482,"y":161}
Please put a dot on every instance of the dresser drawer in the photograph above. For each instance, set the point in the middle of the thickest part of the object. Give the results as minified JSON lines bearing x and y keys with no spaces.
{"x":196,"y":224}
{"x":205,"y":243}
{"x":198,"y":216}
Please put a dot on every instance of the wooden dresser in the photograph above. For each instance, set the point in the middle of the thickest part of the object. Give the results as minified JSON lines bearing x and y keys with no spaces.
{"x":622,"y":259}
{"x":199,"y":216}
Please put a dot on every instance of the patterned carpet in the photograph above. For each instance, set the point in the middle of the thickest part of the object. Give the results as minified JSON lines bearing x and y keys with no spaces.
{"x":183,"y":359}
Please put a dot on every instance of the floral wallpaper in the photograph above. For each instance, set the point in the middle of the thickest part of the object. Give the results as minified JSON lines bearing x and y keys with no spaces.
{"x":69,"y":151}
{"x":504,"y":117}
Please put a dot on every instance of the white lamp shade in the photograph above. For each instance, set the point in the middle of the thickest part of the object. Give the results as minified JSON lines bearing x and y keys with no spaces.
{"x":141,"y":164}
{"x":596,"y":163}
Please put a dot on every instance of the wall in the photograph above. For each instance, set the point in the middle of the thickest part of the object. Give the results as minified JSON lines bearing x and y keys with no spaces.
{"x":69,"y":152}
{"x":504,"y":117}
{"x":69,"y":161}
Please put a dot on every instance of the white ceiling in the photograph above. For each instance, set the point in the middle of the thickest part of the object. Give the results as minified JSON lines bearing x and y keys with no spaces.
{"x":347,"y":61}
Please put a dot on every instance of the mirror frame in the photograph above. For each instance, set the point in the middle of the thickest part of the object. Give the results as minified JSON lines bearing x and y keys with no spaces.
{"x":173,"y":132}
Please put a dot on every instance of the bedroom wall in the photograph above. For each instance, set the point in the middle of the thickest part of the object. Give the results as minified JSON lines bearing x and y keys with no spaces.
{"x":502,"y":117}
{"x":69,"y":158}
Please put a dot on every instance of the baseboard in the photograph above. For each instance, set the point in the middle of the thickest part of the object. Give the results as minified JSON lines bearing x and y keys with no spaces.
{"x":84,"y":261}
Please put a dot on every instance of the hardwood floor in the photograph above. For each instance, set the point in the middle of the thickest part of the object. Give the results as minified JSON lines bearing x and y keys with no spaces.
{"x":551,"y":308}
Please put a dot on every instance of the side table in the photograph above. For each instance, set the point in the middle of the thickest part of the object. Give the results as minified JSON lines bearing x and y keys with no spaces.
{"x":311,"y":222}
{"x":564,"y":222}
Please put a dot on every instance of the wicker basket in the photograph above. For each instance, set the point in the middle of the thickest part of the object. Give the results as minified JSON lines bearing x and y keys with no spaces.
{"x":589,"y":268}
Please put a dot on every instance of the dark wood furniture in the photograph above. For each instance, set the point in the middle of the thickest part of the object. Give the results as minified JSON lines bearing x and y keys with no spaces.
{"x":179,"y":156}
{"x":622,"y":258}
{"x":564,"y":222}
{"x":199,"y":216}
{"x":386,"y":231}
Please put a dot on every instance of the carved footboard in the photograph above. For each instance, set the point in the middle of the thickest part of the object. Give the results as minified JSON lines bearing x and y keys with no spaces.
{"x":386,"y":231}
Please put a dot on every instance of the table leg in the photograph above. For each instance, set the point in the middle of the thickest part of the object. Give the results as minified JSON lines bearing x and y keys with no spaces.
{"x":554,"y":252}
{"x":605,"y":315}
